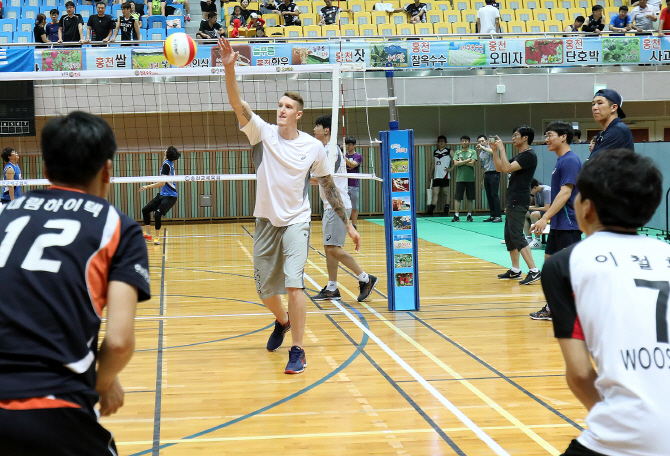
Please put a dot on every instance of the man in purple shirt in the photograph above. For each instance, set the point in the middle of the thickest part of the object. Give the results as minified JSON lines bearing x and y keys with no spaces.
{"x":354,"y":160}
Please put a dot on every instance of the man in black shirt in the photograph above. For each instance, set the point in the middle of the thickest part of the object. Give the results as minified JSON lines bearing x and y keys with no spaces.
{"x":130,"y":28}
{"x":210,"y":29}
{"x":71,"y":26}
{"x":328,"y":14}
{"x":595,"y":22}
{"x":290,"y":13}
{"x":100,"y":26}
{"x":522,"y":169}
{"x":606,"y":110}
{"x":69,"y":255}
{"x":416,"y":11}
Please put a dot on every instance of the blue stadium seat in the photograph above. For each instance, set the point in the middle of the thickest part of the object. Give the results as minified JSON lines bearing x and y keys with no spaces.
{"x":51,"y":4}
{"x":26,"y":25}
{"x":36,"y":3}
{"x":156,"y":34}
{"x":6,"y":37}
{"x":8,"y":25}
{"x":179,"y":18}
{"x":12,"y":12}
{"x":116,"y":11}
{"x":24,"y":37}
{"x":175,"y":30}
{"x":154,"y":22}
{"x":85,"y":11}
{"x":108,"y":10}
{"x":13,"y":3}
{"x":179,"y":9}
{"x":31,"y":12}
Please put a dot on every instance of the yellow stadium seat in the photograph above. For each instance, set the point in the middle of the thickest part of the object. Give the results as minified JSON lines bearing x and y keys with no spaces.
{"x":469,"y":16}
{"x":311,"y":30}
{"x":330,"y":30}
{"x":309,"y":19}
{"x":460,"y":28}
{"x":507,"y":15}
{"x":548,"y":4}
{"x":367,"y":30}
{"x":476,"y":4}
{"x":610,"y":12}
{"x":567,"y":4}
{"x":429,"y":5}
{"x":530,"y":4}
{"x":559,"y":14}
{"x":346,"y":19}
{"x":398,"y":18}
{"x":541,"y":14}
{"x":369,"y":5}
{"x":461,"y":4}
{"x":574,"y":12}
{"x":553,"y":26}
{"x":442,"y":6}
{"x":269,"y":31}
{"x":305,"y":7}
{"x":523,"y":15}
{"x":293,"y":30}
{"x":565,"y":23}
{"x":434,"y":16}
{"x":535,"y":26}
{"x":405,"y":29}
{"x":618,"y":3}
{"x":350,"y":30}
{"x":586,"y":4}
{"x":515,"y":27}
{"x":386,"y":29}
{"x":362,"y":18}
{"x":452,"y":16}
{"x":253,"y":6}
{"x":230,"y":7}
{"x":357,"y":6}
{"x":423,"y":28}
{"x":442,"y":28}
{"x":317,"y":5}
{"x":380,"y":17}
{"x":602,"y":3}
{"x":272,"y":20}
{"x":514,"y":4}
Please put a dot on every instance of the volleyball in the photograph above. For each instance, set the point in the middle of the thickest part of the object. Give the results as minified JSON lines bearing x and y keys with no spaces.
{"x":179,"y":49}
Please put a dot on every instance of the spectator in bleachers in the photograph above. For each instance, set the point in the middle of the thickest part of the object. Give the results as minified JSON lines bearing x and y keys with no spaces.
{"x":643,"y":16}
{"x":416,"y":11}
{"x":260,"y":32}
{"x":156,"y":8}
{"x":621,"y":22}
{"x":136,"y":11}
{"x":52,"y":27}
{"x":100,"y":26}
{"x":246,"y":12}
{"x":237,"y":14}
{"x":656,"y":4}
{"x":71,"y":26}
{"x":129,"y":26}
{"x":577,"y":137}
{"x":39,"y":32}
{"x":187,"y":9}
{"x":207,"y":6}
{"x":663,"y":22}
{"x":255,"y":21}
{"x":488,"y":18}
{"x":268,"y":7}
{"x":329,"y":13}
{"x":210,"y":29}
{"x":596,"y":21}
{"x":290,"y":13}
{"x":579,"y":22}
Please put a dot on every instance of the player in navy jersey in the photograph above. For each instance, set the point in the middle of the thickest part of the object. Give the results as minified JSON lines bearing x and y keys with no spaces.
{"x":608,"y":296}
{"x":68,"y":254}
{"x":164,"y":201}
{"x":11,"y":171}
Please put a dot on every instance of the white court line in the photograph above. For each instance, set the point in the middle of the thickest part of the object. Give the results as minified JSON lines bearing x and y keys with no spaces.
{"x":176,"y":317}
{"x":497,"y":449}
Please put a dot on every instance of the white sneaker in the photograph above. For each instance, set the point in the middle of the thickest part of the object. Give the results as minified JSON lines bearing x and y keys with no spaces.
{"x":502,"y":242}
{"x":535,"y":244}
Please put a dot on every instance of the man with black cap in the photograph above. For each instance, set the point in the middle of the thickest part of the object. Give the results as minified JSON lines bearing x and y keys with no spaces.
{"x":606,"y":109}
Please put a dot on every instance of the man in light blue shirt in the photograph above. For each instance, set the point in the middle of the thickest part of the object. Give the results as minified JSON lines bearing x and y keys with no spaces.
{"x":621,"y":23}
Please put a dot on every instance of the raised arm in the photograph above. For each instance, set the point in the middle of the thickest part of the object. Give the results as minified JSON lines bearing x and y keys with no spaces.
{"x":333,"y":195}
{"x":228,"y":58}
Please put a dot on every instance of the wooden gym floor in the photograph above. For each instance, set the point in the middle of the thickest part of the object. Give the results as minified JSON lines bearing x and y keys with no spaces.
{"x":202,"y":383}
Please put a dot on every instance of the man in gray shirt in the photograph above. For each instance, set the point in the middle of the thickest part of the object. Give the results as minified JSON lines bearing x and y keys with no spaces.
{"x":643,"y":16}
{"x":491,"y":179}
{"x":542,"y":195}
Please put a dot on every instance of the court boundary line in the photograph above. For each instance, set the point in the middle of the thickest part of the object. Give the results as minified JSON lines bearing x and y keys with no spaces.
{"x":155,"y":450}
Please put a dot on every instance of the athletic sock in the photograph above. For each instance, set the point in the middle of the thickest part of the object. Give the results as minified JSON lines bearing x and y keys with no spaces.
{"x":456,"y":213}
{"x":469,"y":214}
{"x":364,"y":277}
{"x":534,"y":270}
{"x":516,"y":270}
{"x":332,"y":286}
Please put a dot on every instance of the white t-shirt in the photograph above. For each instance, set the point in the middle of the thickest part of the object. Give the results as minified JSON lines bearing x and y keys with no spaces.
{"x":639,"y":17}
{"x":282,"y":172}
{"x":487,"y":18}
{"x":441,"y":161}
{"x":342,"y":183}
{"x":612,"y":291}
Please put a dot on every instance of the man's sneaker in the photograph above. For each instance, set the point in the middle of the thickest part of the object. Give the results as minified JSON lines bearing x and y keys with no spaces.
{"x":277,"y":336}
{"x":469,"y":219}
{"x":497,"y":220}
{"x":157,"y":241}
{"x":296,"y":361}
{"x":490,"y":219}
{"x":531,"y":277}
{"x":456,"y":218}
{"x":542,"y":314}
{"x":148,"y":237}
{"x":188,"y":18}
{"x":503,"y":242}
{"x":367,"y":287}
{"x":326,"y":294}
{"x":511,"y":275}
{"x":535,"y":244}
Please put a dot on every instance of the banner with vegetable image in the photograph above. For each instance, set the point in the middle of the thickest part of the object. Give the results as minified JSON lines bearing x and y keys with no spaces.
{"x":62,"y":60}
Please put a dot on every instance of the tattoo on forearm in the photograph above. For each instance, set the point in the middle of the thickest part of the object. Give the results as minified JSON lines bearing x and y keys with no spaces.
{"x":246,"y":114}
{"x":333,"y":197}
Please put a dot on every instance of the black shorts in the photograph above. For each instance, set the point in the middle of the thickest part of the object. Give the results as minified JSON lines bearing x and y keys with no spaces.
{"x":515,"y":216}
{"x":560,"y":239}
{"x":441,"y":182}
{"x":161,"y":203}
{"x":56,"y":431}
{"x":577,"y":449}
{"x":465,"y":187}
{"x":207,"y":7}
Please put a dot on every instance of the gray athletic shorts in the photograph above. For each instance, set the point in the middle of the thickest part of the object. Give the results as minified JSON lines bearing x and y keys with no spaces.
{"x":353,"y":195}
{"x":334,"y":231}
{"x":280,"y":254}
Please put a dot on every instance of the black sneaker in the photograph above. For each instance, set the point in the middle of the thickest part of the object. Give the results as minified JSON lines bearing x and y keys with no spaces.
{"x":296,"y":361}
{"x":367,"y":287}
{"x":469,"y":219}
{"x":325,"y":295}
{"x":496,"y":220}
{"x":531,"y":277}
{"x":456,"y":219}
{"x":511,"y":275}
{"x":277,"y":336}
{"x":490,"y":219}
{"x":542,"y":314}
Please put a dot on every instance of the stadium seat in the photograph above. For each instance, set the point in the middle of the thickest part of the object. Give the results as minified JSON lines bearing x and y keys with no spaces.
{"x":515,"y":27}
{"x":553,"y":26}
{"x":535,"y":26}
{"x":311,"y":30}
{"x":565,"y":23}
{"x":574,"y":12}
{"x":362,"y":18}
{"x":434,"y":16}
{"x":586,"y":4}
{"x":610,"y":12}
{"x":272,"y":20}
{"x":175,"y":30}
{"x":116,"y":11}
{"x":318,"y":4}
{"x":405,"y":29}
{"x":13,"y":3}
{"x":507,"y":15}
{"x":452,"y":16}
{"x":85,"y":11}
{"x":548,"y":4}
{"x":469,"y":15}
{"x":398,"y":18}
{"x":618,"y":3}
{"x":369,"y":5}
{"x":26,"y":25}
{"x":460,"y":28}
{"x":8,"y":25}
{"x":423,"y":28}
{"x":178,"y":18}
{"x":541,"y":14}
{"x":346,"y":18}
{"x":330,"y":30}
{"x":386,"y":29}
{"x":228,"y":9}
{"x":602,"y":3}
{"x":269,"y":31}
{"x":51,"y":3}
{"x":442,"y":6}
{"x":178,"y":9}
{"x":156,"y":34}
{"x":293,"y":31}
{"x":36,"y":3}
{"x":305,"y":7}
{"x":559,"y":14}
{"x":24,"y":37}
{"x":476,"y":4}
{"x":530,"y":4}
{"x":31,"y":12}
{"x":357,"y":6}
{"x":461,"y":5}
{"x":6,"y":37}
{"x":429,"y":5}
{"x":157,"y":22}
{"x":442,"y":28}
{"x":350,"y":30}
{"x":380,"y":17}
{"x":12,"y":12}
{"x":367,"y":30}
{"x":308,"y":19}
{"x":523,"y":15}
{"x":514,"y":4}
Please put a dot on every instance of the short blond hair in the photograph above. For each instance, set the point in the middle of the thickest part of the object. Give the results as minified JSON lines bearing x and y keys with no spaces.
{"x":295,"y":97}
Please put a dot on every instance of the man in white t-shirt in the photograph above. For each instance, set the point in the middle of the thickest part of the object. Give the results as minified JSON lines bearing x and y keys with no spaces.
{"x":608,"y":296}
{"x":643,"y":16}
{"x":488,"y":18}
{"x":284,"y":158}
{"x":334,"y":231}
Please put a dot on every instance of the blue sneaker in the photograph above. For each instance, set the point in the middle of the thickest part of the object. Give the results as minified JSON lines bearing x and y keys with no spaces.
{"x":277,"y":336}
{"x":296,"y":361}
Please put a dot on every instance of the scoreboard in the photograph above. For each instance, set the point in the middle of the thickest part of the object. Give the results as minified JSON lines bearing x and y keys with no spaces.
{"x":17,"y":108}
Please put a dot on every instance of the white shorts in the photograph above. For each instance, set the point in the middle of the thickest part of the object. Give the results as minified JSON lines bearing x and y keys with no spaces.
{"x":334,"y":230}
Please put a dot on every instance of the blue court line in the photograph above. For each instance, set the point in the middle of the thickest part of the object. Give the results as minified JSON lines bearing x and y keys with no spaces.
{"x":209,"y":341}
{"x":159,"y":362}
{"x":497,"y":372}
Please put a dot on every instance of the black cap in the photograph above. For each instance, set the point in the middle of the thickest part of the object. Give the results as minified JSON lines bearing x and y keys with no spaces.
{"x":614,"y":97}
